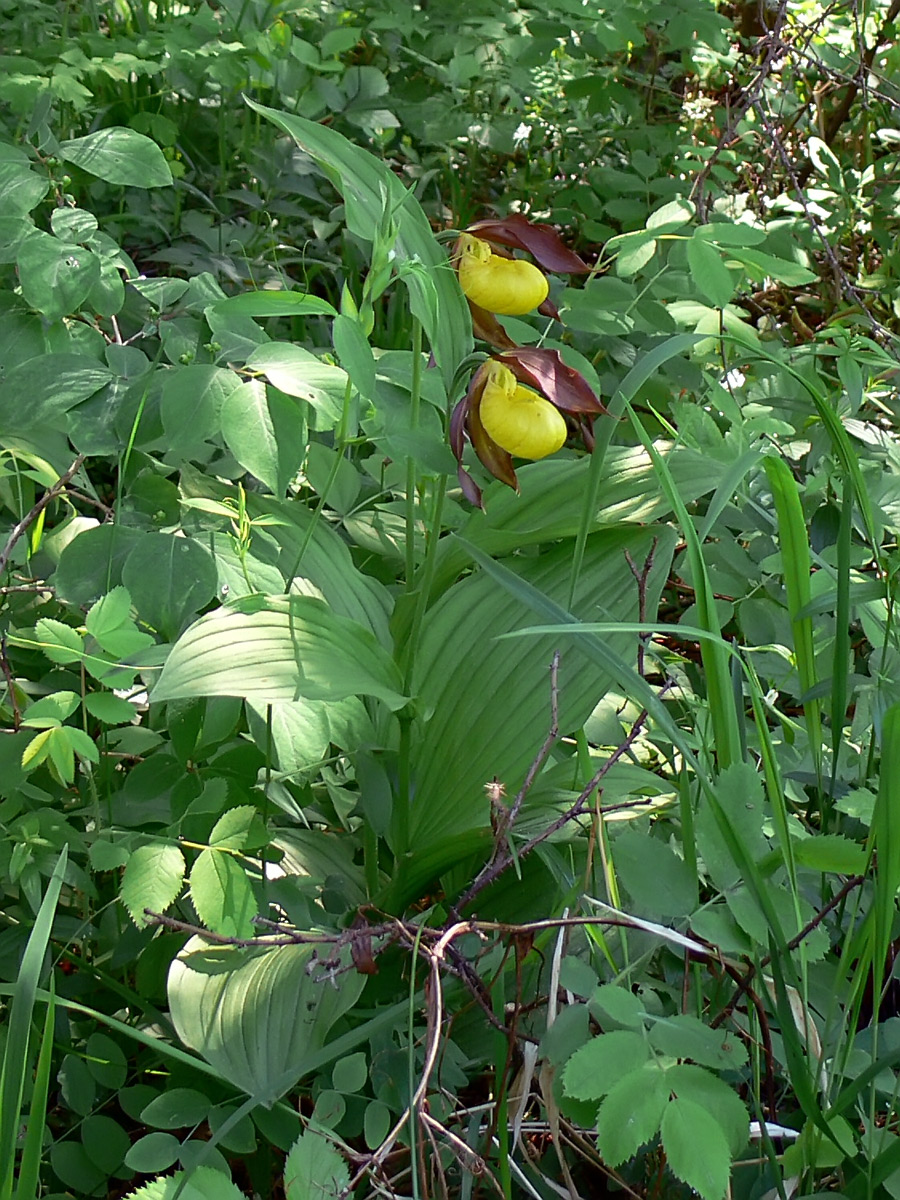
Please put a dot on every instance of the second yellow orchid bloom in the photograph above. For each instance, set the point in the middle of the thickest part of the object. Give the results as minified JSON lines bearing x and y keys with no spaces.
{"x":518,"y":419}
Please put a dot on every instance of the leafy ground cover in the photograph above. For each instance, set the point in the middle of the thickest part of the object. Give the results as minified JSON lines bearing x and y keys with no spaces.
{"x":449,"y":748}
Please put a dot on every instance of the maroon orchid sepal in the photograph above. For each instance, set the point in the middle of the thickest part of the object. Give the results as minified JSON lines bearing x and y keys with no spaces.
{"x":545,"y":370}
{"x":541,"y":241}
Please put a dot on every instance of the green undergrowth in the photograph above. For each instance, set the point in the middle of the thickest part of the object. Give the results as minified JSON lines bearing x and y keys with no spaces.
{"x":358,"y":840}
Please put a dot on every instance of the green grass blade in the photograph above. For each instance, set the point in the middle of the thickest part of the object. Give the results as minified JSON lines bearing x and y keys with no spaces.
{"x":796,"y":566}
{"x":636,"y":378}
{"x":15,"y":1058}
{"x":840,"y":667}
{"x":886,"y":842}
{"x":30,"y":1164}
{"x":636,"y":688}
{"x":720,"y":698}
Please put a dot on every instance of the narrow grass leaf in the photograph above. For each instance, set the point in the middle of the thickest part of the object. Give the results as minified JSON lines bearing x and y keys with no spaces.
{"x":635,"y":379}
{"x":795,"y":560}
{"x":15,"y":1057}
{"x":720,"y":698}
{"x":29,"y":1181}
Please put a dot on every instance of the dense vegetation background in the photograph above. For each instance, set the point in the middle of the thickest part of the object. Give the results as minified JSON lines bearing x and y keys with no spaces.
{"x":357,"y":839}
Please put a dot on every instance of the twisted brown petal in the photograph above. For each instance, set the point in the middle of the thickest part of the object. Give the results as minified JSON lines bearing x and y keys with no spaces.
{"x":486,"y":326}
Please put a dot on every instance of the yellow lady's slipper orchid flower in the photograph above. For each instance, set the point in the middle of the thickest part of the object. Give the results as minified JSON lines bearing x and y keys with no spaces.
{"x":508,"y":286}
{"x":518,"y":419}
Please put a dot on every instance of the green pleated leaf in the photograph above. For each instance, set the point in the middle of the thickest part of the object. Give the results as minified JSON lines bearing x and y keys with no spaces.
{"x":551,"y":503}
{"x":275,"y":648}
{"x":488,"y":700}
{"x":257,"y":1015}
{"x":366,"y":184}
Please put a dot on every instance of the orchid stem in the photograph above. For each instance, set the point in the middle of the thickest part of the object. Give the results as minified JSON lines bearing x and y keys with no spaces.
{"x":414,"y":398}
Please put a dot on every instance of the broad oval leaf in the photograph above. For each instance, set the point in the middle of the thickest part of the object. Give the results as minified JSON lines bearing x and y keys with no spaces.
{"x":257,"y":1015}
{"x":296,"y":372}
{"x":709,"y":273}
{"x":56,"y":276}
{"x":53,"y":383}
{"x":275,"y":648}
{"x":170,"y":579}
{"x":119,"y":155}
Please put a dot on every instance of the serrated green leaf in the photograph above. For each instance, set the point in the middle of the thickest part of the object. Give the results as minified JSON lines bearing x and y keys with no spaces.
{"x":231,"y":830}
{"x":109,"y":614}
{"x":110,"y":709}
{"x":204,"y":1183}
{"x":720,"y":1101}
{"x":222,"y":895}
{"x":830,"y":852}
{"x":696,"y":1149}
{"x":631,"y":1114}
{"x":619,"y":1005}
{"x":684,"y":1036}
{"x":153,"y":878}
{"x":81,"y":743}
{"x":592,"y":1070}
{"x":51,"y":710}
{"x":314,"y":1170}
